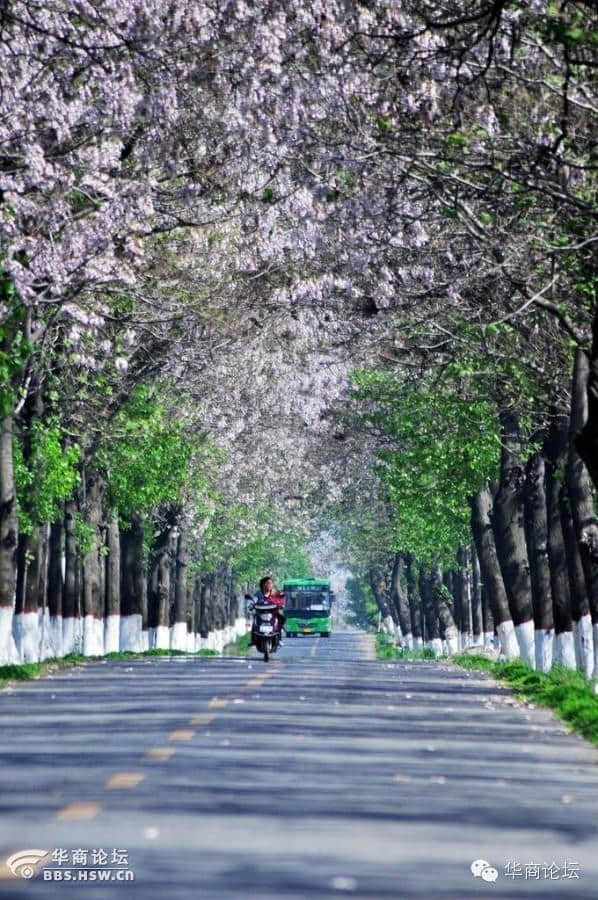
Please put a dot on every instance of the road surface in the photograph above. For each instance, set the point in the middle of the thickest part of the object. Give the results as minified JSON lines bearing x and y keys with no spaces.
{"x":323,"y":773}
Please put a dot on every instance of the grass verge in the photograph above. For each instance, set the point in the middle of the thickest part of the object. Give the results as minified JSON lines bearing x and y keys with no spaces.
{"x":240,"y":647}
{"x":27,"y":671}
{"x":568,"y":692}
{"x":386,"y":649}
{"x":131,"y":654}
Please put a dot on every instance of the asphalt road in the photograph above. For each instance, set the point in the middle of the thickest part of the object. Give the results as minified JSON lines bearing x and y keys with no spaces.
{"x":323,"y":773}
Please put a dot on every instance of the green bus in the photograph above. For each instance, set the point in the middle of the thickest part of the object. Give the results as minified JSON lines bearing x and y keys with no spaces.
{"x":307,"y":606}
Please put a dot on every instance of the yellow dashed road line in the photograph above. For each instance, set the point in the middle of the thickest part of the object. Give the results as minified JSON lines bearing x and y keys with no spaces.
{"x":182,"y":734}
{"x":203,"y":719}
{"x":159,"y":753}
{"x":79,"y":812}
{"x":125,"y":780}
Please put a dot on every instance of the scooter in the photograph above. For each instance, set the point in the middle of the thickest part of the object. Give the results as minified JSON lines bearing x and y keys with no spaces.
{"x":265,"y":629}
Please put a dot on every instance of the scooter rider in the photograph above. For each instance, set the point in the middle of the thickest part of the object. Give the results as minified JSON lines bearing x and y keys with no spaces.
{"x":267,"y":594}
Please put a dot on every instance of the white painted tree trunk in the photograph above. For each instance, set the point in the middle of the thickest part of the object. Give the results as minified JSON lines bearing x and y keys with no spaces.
{"x":398,"y":636}
{"x":178,"y":636}
{"x":162,"y":637}
{"x":435,"y":645}
{"x":93,"y":636}
{"x":544,"y":641}
{"x":209,"y":643}
{"x":50,"y":646}
{"x":112,"y":634}
{"x":131,"y":633}
{"x":27,"y":636}
{"x":564,"y":650}
{"x":389,"y":625}
{"x":527,"y":646}
{"x":584,"y":645}
{"x":452,"y":641}
{"x":8,"y":649}
{"x":72,"y":636}
{"x":509,"y":646}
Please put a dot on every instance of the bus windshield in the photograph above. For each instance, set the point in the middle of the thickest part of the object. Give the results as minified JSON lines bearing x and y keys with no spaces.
{"x":316,"y":600}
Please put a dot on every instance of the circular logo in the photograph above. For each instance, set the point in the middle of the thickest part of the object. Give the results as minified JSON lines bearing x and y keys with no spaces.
{"x":478,"y":866}
{"x":489,"y":873}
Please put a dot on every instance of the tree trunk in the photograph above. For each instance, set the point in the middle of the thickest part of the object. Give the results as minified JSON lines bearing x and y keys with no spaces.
{"x":112,"y":576}
{"x":536,"y":527}
{"x":133,"y":588}
{"x":71,"y":621}
{"x":491,"y":574}
{"x":30,"y":552}
{"x":233,"y":603}
{"x":488,"y":620}
{"x":206,"y":622}
{"x":415,"y":609}
{"x":181,"y":594}
{"x":46,"y":643}
{"x":236,"y":609}
{"x":463,"y":598}
{"x":55,"y":588}
{"x":433,"y":639}
{"x":555,"y":450}
{"x":441,"y":598}
{"x":199,"y":613}
{"x":400,"y":600}
{"x":194,"y":635}
{"x":584,"y":517}
{"x":93,"y":596}
{"x":27,"y":622}
{"x":450,"y":580}
{"x":509,"y":534}
{"x":9,"y":531}
{"x":477,"y":619}
{"x":159,"y":590}
{"x":221,"y":599}
{"x":580,"y":608}
{"x":587,"y":440}
{"x":378,"y":586}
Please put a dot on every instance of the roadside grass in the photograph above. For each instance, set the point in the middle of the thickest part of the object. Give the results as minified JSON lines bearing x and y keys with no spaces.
{"x":386,"y":649}
{"x":568,"y":692}
{"x":240,"y":647}
{"x":28,"y":671}
{"x":132,"y":654}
